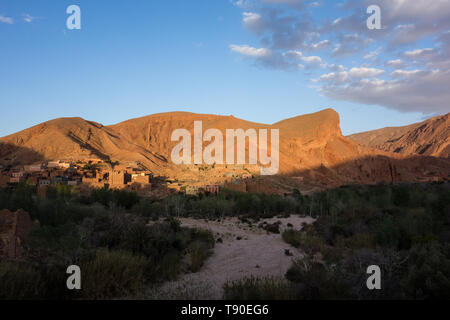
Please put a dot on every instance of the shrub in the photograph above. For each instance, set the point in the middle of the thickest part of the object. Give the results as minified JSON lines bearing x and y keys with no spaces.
{"x":253,"y":288}
{"x":198,"y":253}
{"x":316,"y":281}
{"x":293,"y":237}
{"x":19,"y":282}
{"x":112,"y":274}
{"x":308,"y":242}
{"x":200,"y":249}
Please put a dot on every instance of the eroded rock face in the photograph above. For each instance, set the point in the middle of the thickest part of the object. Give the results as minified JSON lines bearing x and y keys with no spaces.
{"x":430,"y":138}
{"x":14,"y":228}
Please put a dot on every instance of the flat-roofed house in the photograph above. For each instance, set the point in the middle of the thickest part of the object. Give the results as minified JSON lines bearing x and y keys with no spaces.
{"x":212,"y":188}
{"x":191,"y":190}
{"x":17,"y":176}
{"x":33,"y":167}
{"x":140,"y":178}
{"x":52,"y":164}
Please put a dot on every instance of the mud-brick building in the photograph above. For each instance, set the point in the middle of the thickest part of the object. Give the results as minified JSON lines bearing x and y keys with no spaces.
{"x":140,"y":178}
{"x":212,"y":188}
{"x":118,"y":178}
{"x":236,"y":185}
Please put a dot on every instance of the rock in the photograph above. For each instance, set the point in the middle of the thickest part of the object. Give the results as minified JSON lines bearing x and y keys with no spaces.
{"x":14,"y":227}
{"x":272,"y":227}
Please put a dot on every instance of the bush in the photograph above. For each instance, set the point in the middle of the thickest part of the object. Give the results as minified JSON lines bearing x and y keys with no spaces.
{"x":317,"y":281}
{"x":253,"y":288}
{"x":112,"y":274}
{"x":198,"y":253}
{"x":293,"y":237}
{"x":20,"y":282}
{"x":310,"y":243}
{"x":200,"y":248}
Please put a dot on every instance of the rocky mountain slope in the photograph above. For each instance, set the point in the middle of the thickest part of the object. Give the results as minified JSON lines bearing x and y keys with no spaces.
{"x":312,"y":149}
{"x":430,"y":137}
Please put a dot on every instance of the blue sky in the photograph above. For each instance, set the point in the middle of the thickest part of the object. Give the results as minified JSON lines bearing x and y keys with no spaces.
{"x":257,"y":60}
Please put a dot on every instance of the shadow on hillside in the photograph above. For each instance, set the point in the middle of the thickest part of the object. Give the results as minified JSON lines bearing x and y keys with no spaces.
{"x":377,"y":169}
{"x":12,"y":155}
{"x":367,"y":170}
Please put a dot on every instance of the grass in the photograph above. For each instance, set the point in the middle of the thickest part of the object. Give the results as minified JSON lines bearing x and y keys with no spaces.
{"x":293,"y":237}
{"x":253,"y":288}
{"x":112,"y":274}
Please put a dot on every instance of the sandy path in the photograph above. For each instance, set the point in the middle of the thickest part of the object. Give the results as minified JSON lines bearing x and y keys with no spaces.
{"x":257,"y":253}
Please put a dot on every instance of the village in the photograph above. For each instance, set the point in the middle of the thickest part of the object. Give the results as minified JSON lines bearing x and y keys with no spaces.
{"x":87,"y":174}
{"x":91,"y":174}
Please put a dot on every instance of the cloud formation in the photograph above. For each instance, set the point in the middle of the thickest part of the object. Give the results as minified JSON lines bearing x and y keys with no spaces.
{"x":250,"y":51}
{"x":390,"y":67}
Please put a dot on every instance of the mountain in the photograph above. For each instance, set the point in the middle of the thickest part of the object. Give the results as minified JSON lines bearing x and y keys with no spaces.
{"x":313,"y":151}
{"x":430,"y":137}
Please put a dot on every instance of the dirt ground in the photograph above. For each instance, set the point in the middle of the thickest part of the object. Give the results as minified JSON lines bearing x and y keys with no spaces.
{"x":244,"y":251}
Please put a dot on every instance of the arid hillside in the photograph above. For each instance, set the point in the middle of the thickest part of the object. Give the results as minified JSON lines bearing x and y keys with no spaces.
{"x":313,"y":152}
{"x":430,"y":137}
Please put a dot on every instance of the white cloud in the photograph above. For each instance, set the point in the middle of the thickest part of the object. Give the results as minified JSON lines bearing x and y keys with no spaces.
{"x":250,"y":51}
{"x":364,"y":72}
{"x":28,"y":18}
{"x":335,"y":67}
{"x":320,"y":44}
{"x":373,"y":54}
{"x":336,"y":21}
{"x":239,"y":3}
{"x":397,"y":63}
{"x":253,"y":21}
{"x":7,"y":20}
{"x":336,"y":78}
{"x":419,"y":52}
{"x":423,"y":92}
{"x":308,"y":59}
{"x":405,"y":73}
{"x":312,"y":59}
{"x":250,"y":17}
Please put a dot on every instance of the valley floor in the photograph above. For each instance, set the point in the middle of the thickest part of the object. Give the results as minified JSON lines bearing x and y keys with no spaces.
{"x":246,"y":250}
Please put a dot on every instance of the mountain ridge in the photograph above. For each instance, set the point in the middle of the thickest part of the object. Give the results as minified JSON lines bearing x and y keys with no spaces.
{"x":311,"y":146}
{"x":430,"y":137}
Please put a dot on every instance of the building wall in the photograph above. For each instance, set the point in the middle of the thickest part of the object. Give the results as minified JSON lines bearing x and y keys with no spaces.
{"x":240,"y":186}
{"x":117,"y":178}
{"x":212,"y":188}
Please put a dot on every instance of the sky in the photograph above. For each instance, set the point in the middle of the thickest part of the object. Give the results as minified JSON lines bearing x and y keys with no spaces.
{"x":259,"y":60}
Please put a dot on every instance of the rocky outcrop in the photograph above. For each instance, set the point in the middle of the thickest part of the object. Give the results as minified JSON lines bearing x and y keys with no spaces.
{"x":14,"y":228}
{"x":430,"y":138}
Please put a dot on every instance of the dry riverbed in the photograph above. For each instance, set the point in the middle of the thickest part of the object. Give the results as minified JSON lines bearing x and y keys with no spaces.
{"x":243,"y":250}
